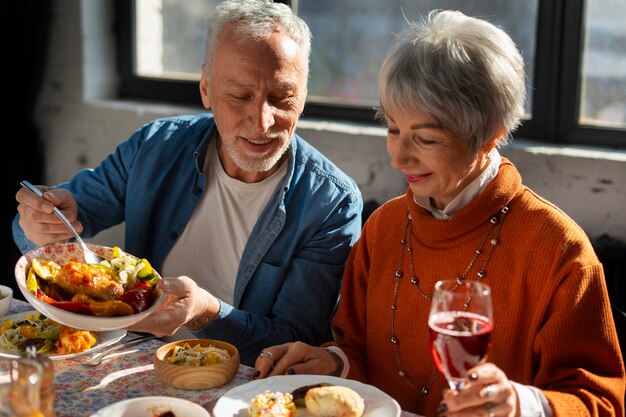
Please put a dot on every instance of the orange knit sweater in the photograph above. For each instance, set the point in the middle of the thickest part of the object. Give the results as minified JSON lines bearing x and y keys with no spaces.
{"x":553,"y":323}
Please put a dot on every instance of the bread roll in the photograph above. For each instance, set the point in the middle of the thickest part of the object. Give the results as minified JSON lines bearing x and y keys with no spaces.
{"x":334,"y":401}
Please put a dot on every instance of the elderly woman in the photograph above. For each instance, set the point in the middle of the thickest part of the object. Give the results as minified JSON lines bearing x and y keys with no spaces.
{"x":452,"y":89}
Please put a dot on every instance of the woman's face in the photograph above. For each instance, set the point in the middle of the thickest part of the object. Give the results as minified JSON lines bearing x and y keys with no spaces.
{"x":436,"y":164}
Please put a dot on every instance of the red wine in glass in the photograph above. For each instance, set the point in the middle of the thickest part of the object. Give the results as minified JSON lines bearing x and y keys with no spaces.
{"x":459,"y":341}
{"x":460,"y":327}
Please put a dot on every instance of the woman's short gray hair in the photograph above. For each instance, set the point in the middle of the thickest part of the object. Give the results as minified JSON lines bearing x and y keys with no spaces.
{"x":465,"y":73}
{"x":258,"y":19}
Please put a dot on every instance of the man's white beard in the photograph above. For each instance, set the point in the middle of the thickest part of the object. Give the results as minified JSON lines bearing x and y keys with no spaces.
{"x":254,"y":164}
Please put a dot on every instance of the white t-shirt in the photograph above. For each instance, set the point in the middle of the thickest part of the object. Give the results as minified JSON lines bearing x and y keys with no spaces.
{"x":210,"y":248}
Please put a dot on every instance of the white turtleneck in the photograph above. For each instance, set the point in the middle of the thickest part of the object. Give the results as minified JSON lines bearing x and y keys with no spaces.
{"x":468,"y":194}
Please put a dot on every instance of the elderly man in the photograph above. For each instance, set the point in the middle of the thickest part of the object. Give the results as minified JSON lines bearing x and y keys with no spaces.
{"x":250,"y":225}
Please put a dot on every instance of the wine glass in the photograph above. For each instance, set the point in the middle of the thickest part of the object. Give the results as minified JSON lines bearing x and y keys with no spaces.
{"x":460,"y":323}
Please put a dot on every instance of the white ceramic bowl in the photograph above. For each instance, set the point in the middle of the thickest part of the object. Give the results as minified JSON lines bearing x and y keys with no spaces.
{"x":6,"y":297}
{"x":62,"y":253}
{"x":151,"y":406}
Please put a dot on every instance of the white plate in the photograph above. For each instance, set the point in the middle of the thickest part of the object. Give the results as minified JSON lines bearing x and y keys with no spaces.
{"x":103,"y":339}
{"x":62,"y":253}
{"x":150,"y":406}
{"x":235,"y":402}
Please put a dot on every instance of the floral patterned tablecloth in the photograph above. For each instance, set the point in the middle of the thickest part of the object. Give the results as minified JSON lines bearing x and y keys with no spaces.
{"x":128,"y":373}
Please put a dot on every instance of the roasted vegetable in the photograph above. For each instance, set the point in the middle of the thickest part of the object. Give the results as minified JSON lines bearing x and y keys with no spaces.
{"x":45,"y":269}
{"x":146,"y":273}
{"x":33,"y":286}
{"x":109,"y":308}
{"x":74,"y":307}
{"x":31,"y":281}
{"x":139,"y":296}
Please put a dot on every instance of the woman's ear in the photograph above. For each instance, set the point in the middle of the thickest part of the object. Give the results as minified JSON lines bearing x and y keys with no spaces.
{"x":487,"y":147}
{"x":204,"y":89}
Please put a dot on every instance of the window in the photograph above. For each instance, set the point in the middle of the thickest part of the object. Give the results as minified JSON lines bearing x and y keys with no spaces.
{"x":575,"y":53}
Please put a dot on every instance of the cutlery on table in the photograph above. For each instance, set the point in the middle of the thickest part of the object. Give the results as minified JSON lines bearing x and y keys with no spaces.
{"x":97,"y":358}
{"x":90,"y":256}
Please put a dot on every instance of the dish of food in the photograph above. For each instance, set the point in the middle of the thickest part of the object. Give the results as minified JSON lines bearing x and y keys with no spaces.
{"x":197,"y":355}
{"x":196,"y":363}
{"x":113,"y":295}
{"x":7,"y":349}
{"x":236,"y":401}
{"x":153,"y":407}
{"x":271,"y":403}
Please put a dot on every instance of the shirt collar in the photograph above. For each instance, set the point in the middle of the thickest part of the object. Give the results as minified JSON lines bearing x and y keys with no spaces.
{"x":468,"y":194}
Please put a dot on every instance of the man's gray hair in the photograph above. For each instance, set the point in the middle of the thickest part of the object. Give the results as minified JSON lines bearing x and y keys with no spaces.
{"x":465,"y":73}
{"x":258,"y":19}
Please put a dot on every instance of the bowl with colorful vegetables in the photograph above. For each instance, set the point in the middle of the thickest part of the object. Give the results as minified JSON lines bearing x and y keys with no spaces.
{"x":114,"y":294}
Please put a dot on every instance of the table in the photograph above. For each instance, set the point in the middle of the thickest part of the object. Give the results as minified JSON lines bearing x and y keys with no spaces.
{"x":128,"y":373}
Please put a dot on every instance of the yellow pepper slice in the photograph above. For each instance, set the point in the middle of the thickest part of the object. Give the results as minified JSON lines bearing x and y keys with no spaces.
{"x":146,"y":273}
{"x":6,"y":325}
{"x":30,"y":332}
{"x":31,"y":281}
{"x":45,"y":269}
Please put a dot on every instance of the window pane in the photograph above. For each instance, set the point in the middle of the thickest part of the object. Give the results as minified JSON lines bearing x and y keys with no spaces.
{"x":603,"y":80}
{"x":351,"y":37}
{"x":170,"y":37}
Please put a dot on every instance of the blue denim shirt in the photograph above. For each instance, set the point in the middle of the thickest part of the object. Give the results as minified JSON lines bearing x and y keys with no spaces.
{"x":289,"y":277}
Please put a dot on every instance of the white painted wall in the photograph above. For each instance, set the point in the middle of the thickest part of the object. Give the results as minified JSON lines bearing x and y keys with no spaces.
{"x":81,"y":122}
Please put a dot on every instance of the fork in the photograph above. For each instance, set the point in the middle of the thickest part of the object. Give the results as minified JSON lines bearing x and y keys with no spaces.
{"x":97,"y":358}
{"x":90,"y":256}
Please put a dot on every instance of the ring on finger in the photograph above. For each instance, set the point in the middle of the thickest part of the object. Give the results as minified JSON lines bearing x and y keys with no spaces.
{"x":490,"y":391}
{"x":266,"y":354}
{"x":491,"y":410}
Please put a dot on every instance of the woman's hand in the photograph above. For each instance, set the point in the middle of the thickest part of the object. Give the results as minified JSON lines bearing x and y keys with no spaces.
{"x":37,"y":218}
{"x":295,"y":358}
{"x":488,"y":393}
{"x":185,"y":302}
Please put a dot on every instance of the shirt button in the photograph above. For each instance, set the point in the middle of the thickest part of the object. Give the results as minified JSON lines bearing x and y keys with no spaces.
{"x":173,"y":235}
{"x":198,"y":190}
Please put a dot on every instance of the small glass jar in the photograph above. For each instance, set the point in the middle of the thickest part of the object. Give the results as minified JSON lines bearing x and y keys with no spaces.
{"x":6,"y":368}
{"x":24,"y":392}
{"x":47,"y":391}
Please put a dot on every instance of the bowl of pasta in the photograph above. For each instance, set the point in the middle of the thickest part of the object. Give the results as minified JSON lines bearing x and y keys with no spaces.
{"x":114,"y":294}
{"x":196,"y":363}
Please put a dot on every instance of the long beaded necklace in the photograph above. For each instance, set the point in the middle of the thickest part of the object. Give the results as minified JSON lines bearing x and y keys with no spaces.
{"x":495,"y":226}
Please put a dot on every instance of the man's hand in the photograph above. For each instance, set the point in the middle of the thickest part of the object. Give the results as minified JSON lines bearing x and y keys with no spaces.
{"x":37,"y":218}
{"x":185,"y":303}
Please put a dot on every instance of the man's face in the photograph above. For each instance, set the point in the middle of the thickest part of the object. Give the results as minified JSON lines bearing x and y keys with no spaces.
{"x":257,"y":93}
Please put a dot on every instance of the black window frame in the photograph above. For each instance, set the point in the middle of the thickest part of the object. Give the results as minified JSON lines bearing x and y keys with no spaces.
{"x":556,"y":88}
